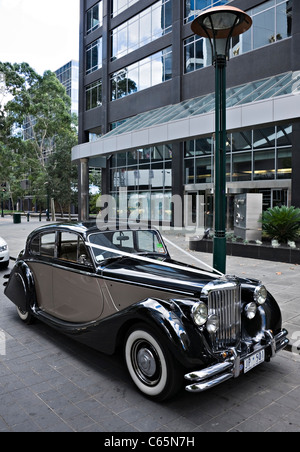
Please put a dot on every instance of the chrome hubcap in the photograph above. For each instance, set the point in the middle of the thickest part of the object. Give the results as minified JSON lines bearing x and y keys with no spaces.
{"x":146,"y":362}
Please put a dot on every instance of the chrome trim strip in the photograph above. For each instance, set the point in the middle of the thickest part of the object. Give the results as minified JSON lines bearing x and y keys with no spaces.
{"x":209,"y":372}
{"x":201,"y":387}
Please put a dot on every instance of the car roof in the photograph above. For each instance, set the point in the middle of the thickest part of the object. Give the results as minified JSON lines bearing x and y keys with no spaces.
{"x":91,"y":226}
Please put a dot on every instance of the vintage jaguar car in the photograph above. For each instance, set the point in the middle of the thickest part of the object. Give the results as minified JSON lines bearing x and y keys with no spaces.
{"x":119,"y":288}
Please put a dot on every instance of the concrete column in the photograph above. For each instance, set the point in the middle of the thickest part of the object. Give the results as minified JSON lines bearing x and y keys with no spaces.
{"x":84,"y":190}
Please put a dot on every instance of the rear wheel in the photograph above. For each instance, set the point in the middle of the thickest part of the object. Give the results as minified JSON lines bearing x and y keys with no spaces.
{"x":151,"y":366}
{"x":25,"y":316}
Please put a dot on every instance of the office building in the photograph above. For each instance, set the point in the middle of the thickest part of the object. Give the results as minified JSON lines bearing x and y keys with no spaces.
{"x":146,"y":106}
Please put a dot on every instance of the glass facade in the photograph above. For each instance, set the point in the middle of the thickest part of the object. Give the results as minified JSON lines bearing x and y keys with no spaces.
{"x":145,"y":73}
{"x":192,"y":8}
{"x":68,"y":76}
{"x":260,"y":154}
{"x":146,"y":177}
{"x":136,"y":57}
{"x":118,"y":6}
{"x":145,"y":27}
{"x":272,"y":22}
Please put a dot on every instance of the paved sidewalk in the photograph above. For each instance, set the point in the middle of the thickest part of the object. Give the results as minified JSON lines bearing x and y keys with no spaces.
{"x":50,"y":383}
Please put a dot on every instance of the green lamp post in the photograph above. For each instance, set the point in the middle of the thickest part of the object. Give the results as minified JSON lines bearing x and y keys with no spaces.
{"x":219,"y":25}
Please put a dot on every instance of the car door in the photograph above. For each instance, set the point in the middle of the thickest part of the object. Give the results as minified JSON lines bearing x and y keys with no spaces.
{"x":42,"y":251}
{"x":76,"y":290}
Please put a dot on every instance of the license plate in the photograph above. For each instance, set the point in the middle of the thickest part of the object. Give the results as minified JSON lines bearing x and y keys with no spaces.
{"x":254,"y":360}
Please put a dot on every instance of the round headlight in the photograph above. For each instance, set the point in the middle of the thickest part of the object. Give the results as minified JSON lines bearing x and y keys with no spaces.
{"x":250,"y":310}
{"x":260,"y":294}
{"x":213,"y":324}
{"x":200,"y":313}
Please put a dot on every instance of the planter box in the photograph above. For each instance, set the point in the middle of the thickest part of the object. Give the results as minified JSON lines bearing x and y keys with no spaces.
{"x":262,"y":252}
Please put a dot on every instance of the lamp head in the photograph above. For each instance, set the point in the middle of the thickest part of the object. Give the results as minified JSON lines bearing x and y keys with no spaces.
{"x":220,"y":24}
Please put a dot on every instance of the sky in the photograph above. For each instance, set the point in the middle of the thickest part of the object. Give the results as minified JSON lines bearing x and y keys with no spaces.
{"x":42,"y":33}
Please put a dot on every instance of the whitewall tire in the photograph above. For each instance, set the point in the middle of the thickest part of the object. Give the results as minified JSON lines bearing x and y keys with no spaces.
{"x":150,"y":365}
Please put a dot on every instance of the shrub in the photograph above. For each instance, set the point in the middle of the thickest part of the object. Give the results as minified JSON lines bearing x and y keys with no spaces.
{"x":282,"y":223}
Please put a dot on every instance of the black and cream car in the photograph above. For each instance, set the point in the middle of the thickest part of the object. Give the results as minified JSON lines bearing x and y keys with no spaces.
{"x":119,"y":289}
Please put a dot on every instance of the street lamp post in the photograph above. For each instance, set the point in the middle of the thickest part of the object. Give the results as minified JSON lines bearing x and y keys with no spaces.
{"x":219,"y":25}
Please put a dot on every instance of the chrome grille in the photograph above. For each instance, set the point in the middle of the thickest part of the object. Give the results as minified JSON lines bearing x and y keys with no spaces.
{"x":225,"y":302}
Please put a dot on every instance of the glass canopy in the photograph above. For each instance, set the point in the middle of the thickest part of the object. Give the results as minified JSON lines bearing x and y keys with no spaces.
{"x":278,"y":85}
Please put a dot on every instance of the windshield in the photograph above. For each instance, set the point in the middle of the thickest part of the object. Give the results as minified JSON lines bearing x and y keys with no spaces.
{"x":111,"y":244}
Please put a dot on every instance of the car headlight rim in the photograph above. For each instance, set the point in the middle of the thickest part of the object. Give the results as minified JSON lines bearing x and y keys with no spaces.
{"x":260,"y":294}
{"x":200,"y":313}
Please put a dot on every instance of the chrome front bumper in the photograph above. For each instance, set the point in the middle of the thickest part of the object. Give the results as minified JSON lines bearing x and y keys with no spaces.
{"x":205,"y":379}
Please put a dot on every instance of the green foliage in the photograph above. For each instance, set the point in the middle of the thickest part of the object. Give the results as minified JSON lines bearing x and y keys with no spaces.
{"x":282,"y":223}
{"x":25,"y":165}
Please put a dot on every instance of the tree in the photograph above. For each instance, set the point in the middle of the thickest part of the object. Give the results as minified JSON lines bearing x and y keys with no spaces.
{"x":62,"y":174}
{"x":42,"y":104}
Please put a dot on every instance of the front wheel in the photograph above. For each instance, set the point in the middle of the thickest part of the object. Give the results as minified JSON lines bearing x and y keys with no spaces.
{"x":150,"y":364}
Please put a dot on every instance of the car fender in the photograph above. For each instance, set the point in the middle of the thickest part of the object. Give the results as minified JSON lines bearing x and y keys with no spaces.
{"x":179,"y":335}
{"x":20,"y":288}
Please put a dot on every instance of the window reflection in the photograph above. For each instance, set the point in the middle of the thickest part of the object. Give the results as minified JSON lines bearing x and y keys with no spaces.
{"x":257,"y":154}
{"x":94,"y":56}
{"x":94,"y":17}
{"x":272,"y":22}
{"x":143,"y":28}
{"x":93,"y":95}
{"x":117,"y":6}
{"x":145,"y":73}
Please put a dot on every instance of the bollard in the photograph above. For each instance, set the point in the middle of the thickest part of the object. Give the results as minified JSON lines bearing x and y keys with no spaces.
{"x":28,"y":215}
{"x":40,"y":216}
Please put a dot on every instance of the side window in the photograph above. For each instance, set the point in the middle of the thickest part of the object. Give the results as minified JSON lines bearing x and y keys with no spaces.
{"x":149,"y":242}
{"x":47,"y":245}
{"x":72,"y":248}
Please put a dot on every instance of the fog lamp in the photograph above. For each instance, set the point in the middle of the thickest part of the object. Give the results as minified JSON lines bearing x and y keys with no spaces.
{"x":200,"y":313}
{"x":250,"y":310}
{"x":213,"y":324}
{"x":260,"y":294}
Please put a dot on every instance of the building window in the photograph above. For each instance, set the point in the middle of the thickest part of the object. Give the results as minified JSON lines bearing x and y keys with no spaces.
{"x":118,"y":6}
{"x":252,"y":155}
{"x":93,"y":95}
{"x":94,"y":18}
{"x":192,"y":8}
{"x":150,"y":24}
{"x":272,"y":22}
{"x":144,"y":74}
{"x":94,"y":56}
{"x":197,"y":54}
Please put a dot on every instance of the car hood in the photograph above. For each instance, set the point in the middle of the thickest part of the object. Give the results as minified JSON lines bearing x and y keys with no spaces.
{"x":176,"y":277}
